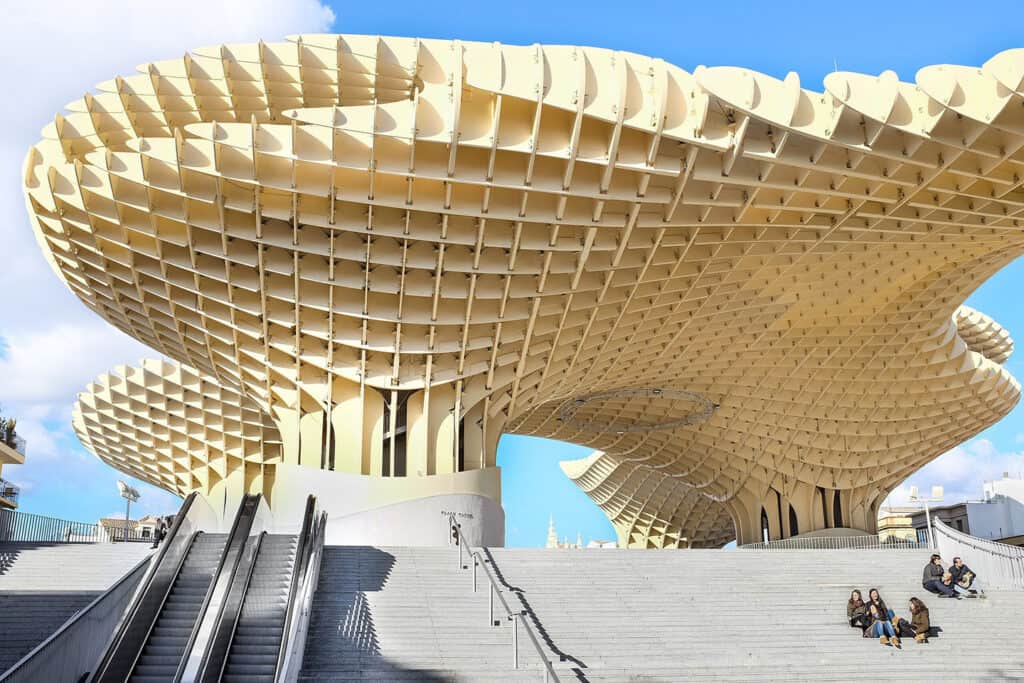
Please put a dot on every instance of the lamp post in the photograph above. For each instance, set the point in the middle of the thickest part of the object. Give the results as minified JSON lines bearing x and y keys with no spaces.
{"x":936,"y":497}
{"x":130,"y":495}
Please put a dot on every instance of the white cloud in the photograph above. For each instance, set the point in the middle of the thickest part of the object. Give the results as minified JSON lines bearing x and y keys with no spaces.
{"x":51,"y":345}
{"x":961,"y":471}
{"x":58,"y":50}
{"x":50,"y":366}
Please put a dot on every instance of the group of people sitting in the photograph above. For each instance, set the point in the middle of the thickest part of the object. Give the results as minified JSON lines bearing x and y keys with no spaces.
{"x":957,"y":582}
{"x":876,"y":620}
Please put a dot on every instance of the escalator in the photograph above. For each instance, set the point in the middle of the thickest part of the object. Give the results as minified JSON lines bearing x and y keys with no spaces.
{"x":256,"y":645}
{"x":219,"y":607}
{"x":259,"y":626}
{"x":161,"y":625}
{"x":166,"y":645}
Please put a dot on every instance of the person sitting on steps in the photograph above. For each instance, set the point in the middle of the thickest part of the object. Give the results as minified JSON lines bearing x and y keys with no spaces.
{"x":857,"y":613}
{"x":931,"y":580}
{"x":882,"y":626}
{"x":920,"y":620}
{"x":965,"y":581}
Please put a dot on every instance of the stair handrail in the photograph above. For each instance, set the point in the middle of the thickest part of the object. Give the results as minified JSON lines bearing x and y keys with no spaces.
{"x":292,"y":664}
{"x":514,"y":616}
{"x":179,"y":543}
{"x":51,"y":653}
{"x":1000,"y":565}
{"x":310,"y":539}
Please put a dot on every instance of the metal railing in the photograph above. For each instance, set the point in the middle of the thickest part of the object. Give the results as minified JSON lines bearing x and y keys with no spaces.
{"x":293,"y":641}
{"x":74,"y":647}
{"x":872,"y":542}
{"x":128,"y":638}
{"x":514,"y":616}
{"x":997,"y":565}
{"x":9,"y":490}
{"x":25,"y":527}
{"x":13,"y":440}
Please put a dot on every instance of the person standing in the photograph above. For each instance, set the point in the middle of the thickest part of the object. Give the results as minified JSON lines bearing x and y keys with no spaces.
{"x":931,"y":579}
{"x":160,"y":533}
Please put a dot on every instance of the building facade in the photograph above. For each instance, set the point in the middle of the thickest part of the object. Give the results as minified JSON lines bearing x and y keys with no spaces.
{"x":12,"y":452}
{"x":391,"y":251}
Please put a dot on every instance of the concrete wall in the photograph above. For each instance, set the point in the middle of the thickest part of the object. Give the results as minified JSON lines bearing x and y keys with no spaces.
{"x":367,"y":510}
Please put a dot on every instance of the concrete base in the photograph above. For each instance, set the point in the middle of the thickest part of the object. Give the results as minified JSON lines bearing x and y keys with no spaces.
{"x":406,"y":511}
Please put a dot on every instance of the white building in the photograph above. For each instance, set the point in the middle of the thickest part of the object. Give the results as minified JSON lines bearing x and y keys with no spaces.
{"x":1001,"y":515}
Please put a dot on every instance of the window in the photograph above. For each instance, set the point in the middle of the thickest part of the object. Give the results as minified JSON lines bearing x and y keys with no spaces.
{"x":837,"y":511}
{"x":794,"y":528}
{"x":922,"y":535}
{"x":764,"y":525}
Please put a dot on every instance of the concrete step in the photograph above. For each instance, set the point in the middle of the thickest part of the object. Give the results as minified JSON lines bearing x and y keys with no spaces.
{"x":42,"y":585}
{"x":613,"y":615}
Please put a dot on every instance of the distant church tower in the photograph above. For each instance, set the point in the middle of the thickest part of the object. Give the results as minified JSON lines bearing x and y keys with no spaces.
{"x":552,"y":534}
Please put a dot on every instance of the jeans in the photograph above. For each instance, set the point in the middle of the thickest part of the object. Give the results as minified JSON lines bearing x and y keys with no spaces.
{"x":968,"y":592}
{"x":936,"y":586}
{"x":880,"y":628}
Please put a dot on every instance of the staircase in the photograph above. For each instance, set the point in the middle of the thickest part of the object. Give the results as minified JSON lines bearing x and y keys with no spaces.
{"x":403,"y":614}
{"x":618,"y":615}
{"x":42,"y":585}
{"x":167,"y":642}
{"x":624,"y":615}
{"x":255,"y":647}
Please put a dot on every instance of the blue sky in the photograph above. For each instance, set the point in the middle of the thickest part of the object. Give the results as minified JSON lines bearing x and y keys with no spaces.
{"x":51,"y":346}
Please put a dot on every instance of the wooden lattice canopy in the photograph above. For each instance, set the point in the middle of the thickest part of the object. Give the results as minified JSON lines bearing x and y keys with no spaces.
{"x":399,"y":249}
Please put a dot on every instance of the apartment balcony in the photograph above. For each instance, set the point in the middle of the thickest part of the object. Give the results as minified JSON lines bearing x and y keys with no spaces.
{"x":12,"y":448}
{"x":8,"y":494}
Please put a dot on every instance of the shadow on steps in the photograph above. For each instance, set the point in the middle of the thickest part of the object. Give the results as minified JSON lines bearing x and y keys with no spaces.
{"x":27,"y":618}
{"x":342,"y":643}
{"x":545,"y":636}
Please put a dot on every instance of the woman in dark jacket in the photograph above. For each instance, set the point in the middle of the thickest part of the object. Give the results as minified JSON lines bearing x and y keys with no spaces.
{"x":857,"y":613}
{"x":882,"y":627}
{"x":881,"y":619}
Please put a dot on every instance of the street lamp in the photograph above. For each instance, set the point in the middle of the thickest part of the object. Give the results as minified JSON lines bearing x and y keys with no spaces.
{"x":130,"y":495}
{"x":936,"y":497}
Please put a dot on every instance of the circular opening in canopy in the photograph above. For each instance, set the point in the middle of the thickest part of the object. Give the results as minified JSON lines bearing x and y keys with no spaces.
{"x":636,"y":410}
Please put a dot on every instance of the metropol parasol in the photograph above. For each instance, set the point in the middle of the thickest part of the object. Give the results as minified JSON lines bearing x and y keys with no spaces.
{"x":363,"y":259}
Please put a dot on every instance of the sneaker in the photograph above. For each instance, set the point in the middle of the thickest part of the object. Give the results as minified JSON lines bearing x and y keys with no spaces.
{"x":896,"y":642}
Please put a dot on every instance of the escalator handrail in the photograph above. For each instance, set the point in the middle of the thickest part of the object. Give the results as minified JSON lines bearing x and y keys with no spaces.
{"x":117,"y":639}
{"x":212,"y":669}
{"x":246,"y":500}
{"x":301,"y":564}
{"x":295,"y":638}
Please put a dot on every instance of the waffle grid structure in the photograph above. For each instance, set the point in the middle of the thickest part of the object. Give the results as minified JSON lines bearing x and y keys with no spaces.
{"x":398,"y":249}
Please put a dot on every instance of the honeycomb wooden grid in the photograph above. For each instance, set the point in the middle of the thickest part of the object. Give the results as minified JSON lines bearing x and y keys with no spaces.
{"x":356,"y":231}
